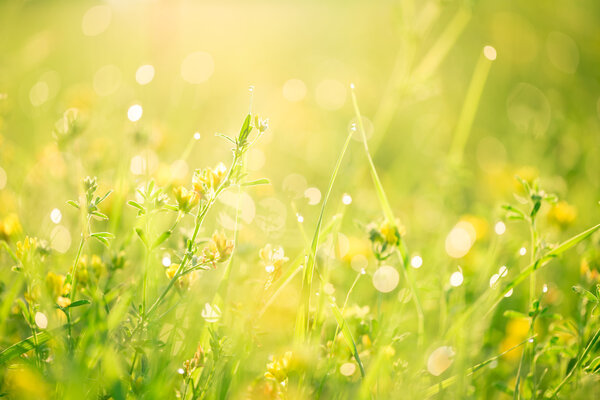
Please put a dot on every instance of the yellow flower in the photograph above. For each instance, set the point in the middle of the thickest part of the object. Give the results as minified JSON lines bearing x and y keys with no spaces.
{"x":10,"y":226}
{"x":58,"y":289}
{"x":98,"y":266}
{"x":279,"y":368}
{"x":562,"y":214}
{"x":25,"y":247}
{"x":219,"y":249}
{"x":186,"y":200}
{"x":63,"y":301}
{"x":208,"y":180}
{"x":171,"y":270}
{"x":183,"y":282}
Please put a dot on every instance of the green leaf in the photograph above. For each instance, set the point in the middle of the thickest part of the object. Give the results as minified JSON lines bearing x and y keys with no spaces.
{"x":99,"y":215}
{"x":78,"y":303}
{"x":164,"y":236}
{"x":566,"y":245}
{"x":226,"y":138}
{"x":103,"y":237}
{"x":136,"y":205}
{"x":73,"y":203}
{"x":593,"y":366}
{"x":23,"y":346}
{"x":347,"y":335}
{"x":263,"y":181}
{"x":246,"y":129}
{"x":585,"y":293}
{"x":307,"y":277}
{"x":142,"y":235}
{"x":101,"y":199}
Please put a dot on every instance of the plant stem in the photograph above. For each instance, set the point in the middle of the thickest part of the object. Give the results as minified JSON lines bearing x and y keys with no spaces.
{"x":591,"y":344}
{"x":74,"y":268}
{"x":301,"y":328}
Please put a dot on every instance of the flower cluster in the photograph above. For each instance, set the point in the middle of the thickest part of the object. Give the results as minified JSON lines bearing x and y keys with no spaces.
{"x":218,"y":249}
{"x":186,"y":199}
{"x":93,"y":266}
{"x":208,"y":180}
{"x":279,"y":368}
{"x":197,"y":361}
{"x":58,"y":289}
{"x":9,"y":227}
{"x":385,"y":237}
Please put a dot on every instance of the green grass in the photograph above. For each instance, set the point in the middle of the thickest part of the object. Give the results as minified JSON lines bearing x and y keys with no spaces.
{"x":440,"y":241}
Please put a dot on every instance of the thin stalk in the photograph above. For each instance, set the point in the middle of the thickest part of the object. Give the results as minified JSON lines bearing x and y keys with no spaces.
{"x":337,"y":328}
{"x":389,"y":216}
{"x":591,"y":344}
{"x":302,"y":315}
{"x":198,"y":223}
{"x":489,"y":300}
{"x":74,"y":268}
{"x":469,"y":108}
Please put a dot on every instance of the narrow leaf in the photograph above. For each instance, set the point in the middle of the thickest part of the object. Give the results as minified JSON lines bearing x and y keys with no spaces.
{"x":23,"y":346}
{"x":142,"y":236}
{"x":78,"y":303}
{"x":585,"y":293}
{"x":73,"y":203}
{"x":263,"y":181}
{"x":164,"y":236}
{"x":347,"y":335}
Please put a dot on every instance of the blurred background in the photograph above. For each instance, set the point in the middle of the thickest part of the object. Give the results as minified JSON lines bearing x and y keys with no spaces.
{"x":449,"y":123}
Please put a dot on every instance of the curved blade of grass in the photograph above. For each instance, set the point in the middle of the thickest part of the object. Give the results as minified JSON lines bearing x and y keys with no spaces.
{"x":591,"y":344}
{"x":469,"y":108}
{"x":531,"y":268}
{"x":383,"y":200}
{"x":23,"y":346}
{"x":391,"y":219}
{"x":302,"y":315}
{"x":347,"y":335}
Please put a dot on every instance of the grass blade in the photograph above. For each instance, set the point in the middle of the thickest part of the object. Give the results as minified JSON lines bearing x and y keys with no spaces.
{"x":302,"y":316}
{"x":23,"y":346}
{"x":347,"y":335}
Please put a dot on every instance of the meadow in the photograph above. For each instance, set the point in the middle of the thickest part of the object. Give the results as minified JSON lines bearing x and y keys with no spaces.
{"x":299,"y":200}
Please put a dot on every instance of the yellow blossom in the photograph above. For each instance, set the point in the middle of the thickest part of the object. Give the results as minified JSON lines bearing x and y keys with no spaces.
{"x":186,"y":199}
{"x":278,"y":369}
{"x":562,"y":214}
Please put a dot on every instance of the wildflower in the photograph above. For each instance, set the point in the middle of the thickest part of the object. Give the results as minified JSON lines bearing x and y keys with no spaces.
{"x":218,"y":250}
{"x":273,"y":259}
{"x":207,"y":181}
{"x":186,"y":200}
{"x":184,"y":282}
{"x":385,"y":237}
{"x":278,"y":369}
{"x":562,"y":214}
{"x":10,"y":227}
{"x":58,"y":289}
{"x":528,"y":173}
{"x":261,"y":124}
{"x":33,"y":295}
{"x":98,"y":266}
{"x":197,"y":361}
{"x":25,"y":247}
